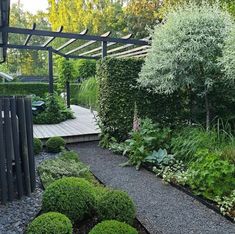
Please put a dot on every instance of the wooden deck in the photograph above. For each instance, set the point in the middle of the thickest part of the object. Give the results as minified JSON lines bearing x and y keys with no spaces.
{"x":82,"y":128}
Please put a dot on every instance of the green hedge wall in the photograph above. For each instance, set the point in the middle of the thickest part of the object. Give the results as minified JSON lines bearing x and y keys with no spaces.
{"x":22,"y":88}
{"x":118,"y":93}
{"x":37,"y":88}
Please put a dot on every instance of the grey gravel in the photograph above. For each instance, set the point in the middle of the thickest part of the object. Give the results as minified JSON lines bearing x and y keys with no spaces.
{"x":161,"y":208}
{"x":16,"y":215}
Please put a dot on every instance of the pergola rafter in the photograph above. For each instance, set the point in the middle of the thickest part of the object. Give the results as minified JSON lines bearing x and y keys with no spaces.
{"x":29,"y":35}
{"x":108,"y":45}
{"x":52,"y":38}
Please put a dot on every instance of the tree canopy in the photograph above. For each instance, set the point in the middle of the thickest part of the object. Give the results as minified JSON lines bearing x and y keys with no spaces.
{"x":185,"y":50}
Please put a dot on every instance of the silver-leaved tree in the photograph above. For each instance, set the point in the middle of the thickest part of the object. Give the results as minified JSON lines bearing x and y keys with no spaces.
{"x":185,"y":51}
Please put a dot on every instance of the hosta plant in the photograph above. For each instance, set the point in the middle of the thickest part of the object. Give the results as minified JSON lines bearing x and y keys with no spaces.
{"x":160,"y":157}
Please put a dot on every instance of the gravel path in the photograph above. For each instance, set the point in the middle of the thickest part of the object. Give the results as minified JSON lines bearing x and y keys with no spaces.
{"x":16,"y":215}
{"x":161,"y":208}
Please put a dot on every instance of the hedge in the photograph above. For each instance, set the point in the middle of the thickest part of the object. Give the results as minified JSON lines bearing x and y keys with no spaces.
{"x":118,"y":93}
{"x":38,"y":88}
{"x":23,"y":88}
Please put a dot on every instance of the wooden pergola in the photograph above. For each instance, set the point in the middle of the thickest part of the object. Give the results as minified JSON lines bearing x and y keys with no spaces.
{"x":109,"y":46}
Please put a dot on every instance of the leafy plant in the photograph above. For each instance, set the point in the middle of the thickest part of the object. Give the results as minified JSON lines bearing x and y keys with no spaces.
{"x":174,"y":172}
{"x":227,"y":204}
{"x":143,"y":141}
{"x":160,"y":158}
{"x":113,"y":227}
{"x":210,"y":176}
{"x":55,"y":111}
{"x":50,"y":223}
{"x":66,"y":165}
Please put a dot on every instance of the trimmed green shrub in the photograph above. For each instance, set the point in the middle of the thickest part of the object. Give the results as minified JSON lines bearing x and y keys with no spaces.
{"x":113,"y":227}
{"x":66,"y":165}
{"x":73,"y":197}
{"x":37,"y":146}
{"x":50,"y":223}
{"x":118,"y":93}
{"x":116,"y":205}
{"x":55,"y":144}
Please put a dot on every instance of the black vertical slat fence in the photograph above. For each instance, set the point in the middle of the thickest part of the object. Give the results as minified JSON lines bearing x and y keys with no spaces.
{"x":17,"y":166}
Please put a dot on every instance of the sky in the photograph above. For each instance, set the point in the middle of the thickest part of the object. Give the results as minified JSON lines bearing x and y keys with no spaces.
{"x":33,"y":5}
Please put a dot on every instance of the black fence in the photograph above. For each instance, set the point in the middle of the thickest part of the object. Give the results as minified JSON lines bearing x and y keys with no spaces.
{"x":17,"y":165}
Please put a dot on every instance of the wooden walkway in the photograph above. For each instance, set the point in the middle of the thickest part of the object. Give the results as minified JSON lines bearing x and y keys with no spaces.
{"x":82,"y":128}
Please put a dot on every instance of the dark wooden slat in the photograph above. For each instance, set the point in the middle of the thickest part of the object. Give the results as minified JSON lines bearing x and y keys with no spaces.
{"x":9,"y":148}
{"x":3,"y":179}
{"x":24,"y":144}
{"x":16,"y":144}
{"x":29,"y":129}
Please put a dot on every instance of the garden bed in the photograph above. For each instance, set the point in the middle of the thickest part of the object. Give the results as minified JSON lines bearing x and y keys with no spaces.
{"x":68,"y":165}
{"x":208,"y":203}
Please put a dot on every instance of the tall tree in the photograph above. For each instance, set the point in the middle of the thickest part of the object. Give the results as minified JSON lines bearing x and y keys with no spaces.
{"x":141,"y":15}
{"x":185,"y":52}
{"x":167,"y":5}
{"x":75,"y":15}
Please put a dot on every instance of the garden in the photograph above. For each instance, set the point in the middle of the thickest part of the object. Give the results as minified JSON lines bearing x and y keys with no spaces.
{"x":170,"y":116}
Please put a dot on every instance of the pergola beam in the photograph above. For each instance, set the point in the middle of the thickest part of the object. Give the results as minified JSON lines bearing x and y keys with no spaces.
{"x":40,"y":48}
{"x":87,"y":44}
{"x":52,"y":38}
{"x":46,"y":33}
{"x":30,"y":35}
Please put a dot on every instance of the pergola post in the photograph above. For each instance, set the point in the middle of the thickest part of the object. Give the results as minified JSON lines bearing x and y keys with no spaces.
{"x":68,"y":91}
{"x":104,"y":49}
{"x":50,"y":70}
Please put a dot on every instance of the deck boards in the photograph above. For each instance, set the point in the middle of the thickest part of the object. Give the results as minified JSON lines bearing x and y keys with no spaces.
{"x":83,"y":125}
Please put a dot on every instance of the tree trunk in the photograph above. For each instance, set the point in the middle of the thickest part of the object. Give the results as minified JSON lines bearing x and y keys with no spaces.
{"x":207,"y":111}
